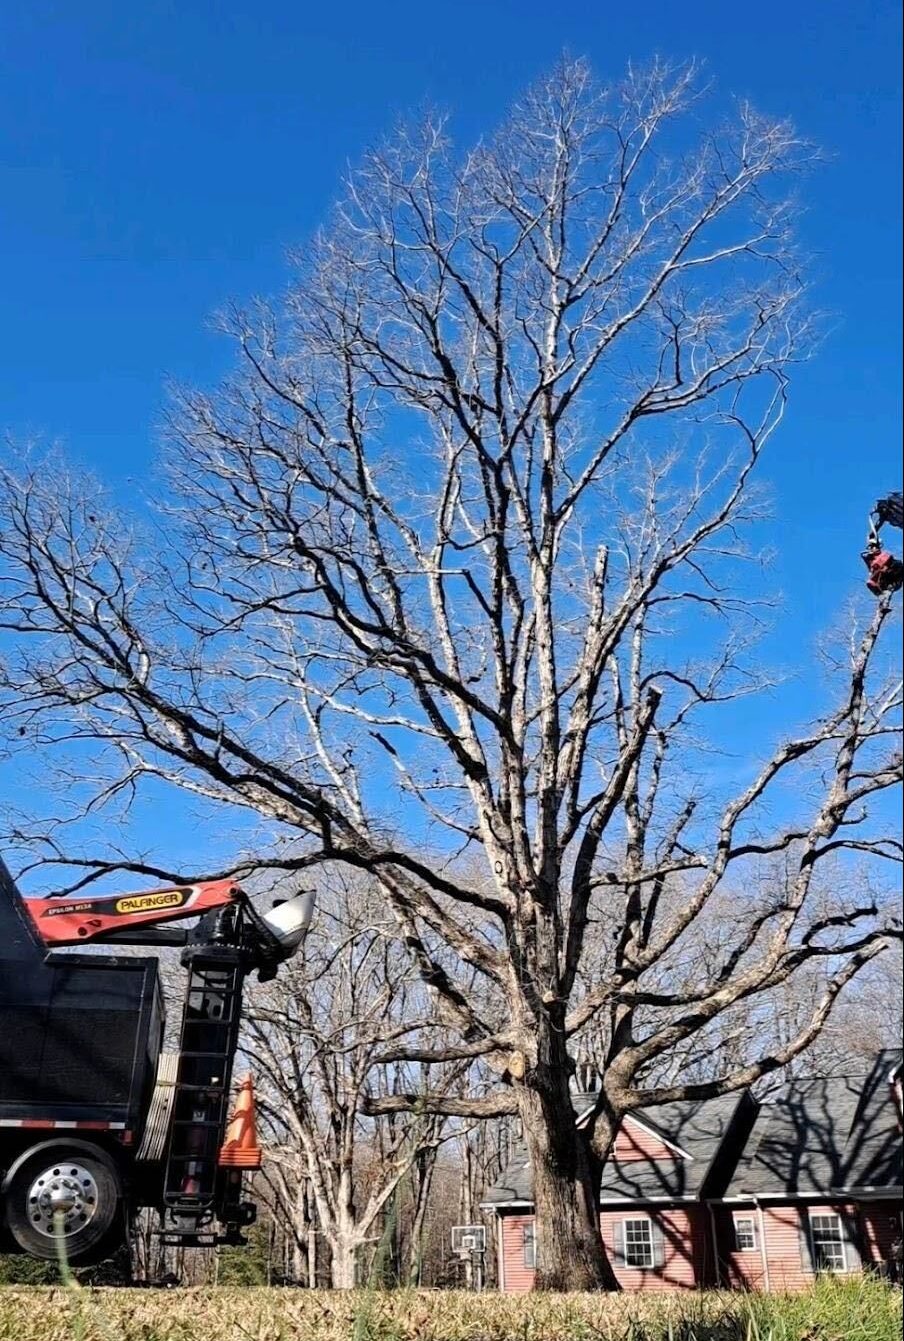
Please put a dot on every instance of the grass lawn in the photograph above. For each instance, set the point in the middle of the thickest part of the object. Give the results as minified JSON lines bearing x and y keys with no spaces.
{"x":832,"y":1311}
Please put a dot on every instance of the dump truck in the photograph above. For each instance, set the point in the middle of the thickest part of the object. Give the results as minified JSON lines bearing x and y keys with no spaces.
{"x":97,"y":1119}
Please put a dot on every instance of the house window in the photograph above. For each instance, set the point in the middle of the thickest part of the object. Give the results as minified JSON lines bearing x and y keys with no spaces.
{"x":828,"y":1243}
{"x":744,"y":1233}
{"x":638,"y":1243}
{"x":528,"y":1247}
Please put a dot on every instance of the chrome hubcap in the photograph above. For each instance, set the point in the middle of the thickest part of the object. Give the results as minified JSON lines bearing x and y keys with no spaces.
{"x":62,"y":1199}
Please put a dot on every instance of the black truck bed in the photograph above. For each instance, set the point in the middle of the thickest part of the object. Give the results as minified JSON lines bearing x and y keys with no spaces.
{"x":79,"y":1032}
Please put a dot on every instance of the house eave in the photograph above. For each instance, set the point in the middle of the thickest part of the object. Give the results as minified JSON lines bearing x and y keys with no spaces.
{"x":648,"y":1201}
{"x":869,"y":1192}
{"x":827,"y":1194}
{"x":605,"y":1203}
{"x":751,"y":1198}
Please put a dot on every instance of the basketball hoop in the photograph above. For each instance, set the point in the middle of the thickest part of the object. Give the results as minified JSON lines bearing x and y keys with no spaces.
{"x":469,"y":1244}
{"x":468,"y":1240}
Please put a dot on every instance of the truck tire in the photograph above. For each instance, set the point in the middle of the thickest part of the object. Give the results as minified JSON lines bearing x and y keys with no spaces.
{"x":64,"y":1197}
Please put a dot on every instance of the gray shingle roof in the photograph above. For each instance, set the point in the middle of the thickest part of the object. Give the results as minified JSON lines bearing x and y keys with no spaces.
{"x":872,"y":1156}
{"x":696,"y":1128}
{"x":825,"y":1135}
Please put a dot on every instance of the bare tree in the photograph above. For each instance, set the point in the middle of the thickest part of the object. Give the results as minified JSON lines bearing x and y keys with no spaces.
{"x":452,"y":580}
{"x":866,"y":1019}
{"x":316,"y":1036}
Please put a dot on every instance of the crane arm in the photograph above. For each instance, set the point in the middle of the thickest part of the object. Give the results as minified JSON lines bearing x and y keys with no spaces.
{"x":80,"y":921}
{"x":134,"y":918}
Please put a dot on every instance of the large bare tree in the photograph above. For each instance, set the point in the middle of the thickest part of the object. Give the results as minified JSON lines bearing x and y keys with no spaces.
{"x":455,"y":573}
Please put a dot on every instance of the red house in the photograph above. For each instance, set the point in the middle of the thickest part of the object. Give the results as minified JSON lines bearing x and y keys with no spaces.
{"x":654,"y":1197}
{"x":729,"y":1192}
{"x":818,"y":1185}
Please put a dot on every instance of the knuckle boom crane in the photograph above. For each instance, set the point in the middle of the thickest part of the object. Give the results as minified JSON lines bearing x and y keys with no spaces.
{"x":886,"y":572}
{"x":96,"y":1119}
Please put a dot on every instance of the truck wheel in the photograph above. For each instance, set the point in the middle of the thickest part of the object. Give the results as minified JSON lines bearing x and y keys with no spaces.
{"x":63,"y":1197}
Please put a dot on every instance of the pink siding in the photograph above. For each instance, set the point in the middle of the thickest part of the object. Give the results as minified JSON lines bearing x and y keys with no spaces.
{"x":788,"y":1268}
{"x":635,"y":1142}
{"x":685,"y":1249}
{"x":516,"y":1276}
{"x":686,"y":1255}
{"x":742,"y":1270}
{"x":688,"y":1235}
{"x":880,"y":1224}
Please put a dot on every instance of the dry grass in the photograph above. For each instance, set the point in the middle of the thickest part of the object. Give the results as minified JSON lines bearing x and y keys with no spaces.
{"x":855,"y":1311}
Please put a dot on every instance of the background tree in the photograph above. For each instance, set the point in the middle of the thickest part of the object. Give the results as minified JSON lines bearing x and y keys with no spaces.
{"x":315,"y":1036}
{"x":457,"y":561}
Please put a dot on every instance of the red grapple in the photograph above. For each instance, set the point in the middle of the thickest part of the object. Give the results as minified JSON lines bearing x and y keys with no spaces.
{"x":886,"y":573}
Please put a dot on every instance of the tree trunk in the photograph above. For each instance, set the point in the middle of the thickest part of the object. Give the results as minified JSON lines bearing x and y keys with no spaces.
{"x":312,"y":1236}
{"x":566,"y":1176}
{"x":343,"y":1260}
{"x":465,"y":1204}
{"x":301,"y":1228}
{"x":344,"y":1240}
{"x":424,"y":1166}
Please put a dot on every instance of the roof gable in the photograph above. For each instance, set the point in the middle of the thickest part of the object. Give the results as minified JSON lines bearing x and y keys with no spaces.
{"x":665,"y":1157}
{"x":872,"y":1153}
{"x":637,"y":1139}
{"x":825,"y":1135}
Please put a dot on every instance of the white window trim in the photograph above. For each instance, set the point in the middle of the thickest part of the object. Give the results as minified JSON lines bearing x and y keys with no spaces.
{"x":751,"y":1220}
{"x":830,"y":1270}
{"x":638,"y":1220}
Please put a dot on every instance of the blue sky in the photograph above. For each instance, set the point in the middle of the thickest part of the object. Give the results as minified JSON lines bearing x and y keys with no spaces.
{"x":159,"y":158}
